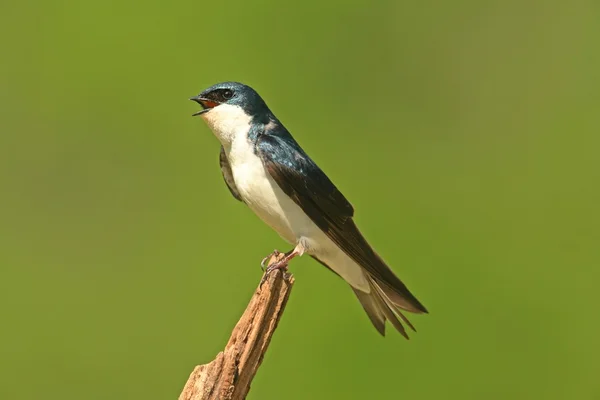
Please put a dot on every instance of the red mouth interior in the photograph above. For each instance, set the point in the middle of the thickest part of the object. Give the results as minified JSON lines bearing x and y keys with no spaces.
{"x":209,"y":103}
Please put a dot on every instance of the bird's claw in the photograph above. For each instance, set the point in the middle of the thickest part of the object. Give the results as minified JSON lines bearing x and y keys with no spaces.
{"x":281,"y":265}
{"x":265,"y":261}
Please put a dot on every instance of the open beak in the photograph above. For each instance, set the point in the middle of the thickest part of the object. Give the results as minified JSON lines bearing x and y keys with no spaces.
{"x":206,"y":104}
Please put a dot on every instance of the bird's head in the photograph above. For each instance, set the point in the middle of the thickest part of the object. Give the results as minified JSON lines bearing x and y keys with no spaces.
{"x":230,"y":108}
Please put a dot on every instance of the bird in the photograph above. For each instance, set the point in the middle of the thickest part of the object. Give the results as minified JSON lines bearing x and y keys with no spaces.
{"x":265,"y":168}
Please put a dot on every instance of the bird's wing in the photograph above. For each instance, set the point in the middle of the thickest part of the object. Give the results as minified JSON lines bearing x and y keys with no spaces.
{"x":301,"y":179}
{"x":228,"y":175}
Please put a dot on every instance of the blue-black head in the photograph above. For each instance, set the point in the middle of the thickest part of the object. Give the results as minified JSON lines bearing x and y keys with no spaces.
{"x":234,"y":94}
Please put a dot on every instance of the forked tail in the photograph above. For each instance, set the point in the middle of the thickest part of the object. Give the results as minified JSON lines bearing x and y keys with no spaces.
{"x":383,"y":303}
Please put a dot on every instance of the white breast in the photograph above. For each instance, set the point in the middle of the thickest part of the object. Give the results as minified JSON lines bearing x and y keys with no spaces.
{"x":262,"y":194}
{"x":258,"y":190}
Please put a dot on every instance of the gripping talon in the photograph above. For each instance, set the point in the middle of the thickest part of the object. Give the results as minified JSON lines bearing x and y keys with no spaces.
{"x":264,"y":262}
{"x":281,"y":263}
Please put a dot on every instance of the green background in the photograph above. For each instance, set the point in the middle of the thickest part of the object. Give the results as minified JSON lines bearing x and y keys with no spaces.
{"x":465,"y":133}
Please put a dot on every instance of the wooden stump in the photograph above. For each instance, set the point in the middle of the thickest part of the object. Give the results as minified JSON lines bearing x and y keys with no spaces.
{"x":230,"y":374}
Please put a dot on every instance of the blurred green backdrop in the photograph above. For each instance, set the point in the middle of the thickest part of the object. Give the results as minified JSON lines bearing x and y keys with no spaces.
{"x":465,"y":133}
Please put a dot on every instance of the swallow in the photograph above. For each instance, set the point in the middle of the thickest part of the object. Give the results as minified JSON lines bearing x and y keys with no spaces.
{"x":265,"y":168}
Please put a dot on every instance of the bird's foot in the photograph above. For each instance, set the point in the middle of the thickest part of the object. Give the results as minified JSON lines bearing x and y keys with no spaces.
{"x":276,"y":260}
{"x":265,"y":261}
{"x":281,"y":264}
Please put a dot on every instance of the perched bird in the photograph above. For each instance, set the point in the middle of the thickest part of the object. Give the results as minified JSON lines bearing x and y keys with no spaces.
{"x":265,"y":168}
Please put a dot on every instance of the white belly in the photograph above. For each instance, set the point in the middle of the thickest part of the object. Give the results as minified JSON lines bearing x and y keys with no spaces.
{"x":262,"y":194}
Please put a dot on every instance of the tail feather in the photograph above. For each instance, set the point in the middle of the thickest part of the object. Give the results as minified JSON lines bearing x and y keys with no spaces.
{"x":380,"y":307}
{"x":373,"y":309}
{"x":406,"y":301}
{"x":385,"y":303}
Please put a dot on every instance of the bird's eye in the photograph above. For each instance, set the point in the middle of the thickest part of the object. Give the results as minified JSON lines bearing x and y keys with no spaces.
{"x":227,"y":93}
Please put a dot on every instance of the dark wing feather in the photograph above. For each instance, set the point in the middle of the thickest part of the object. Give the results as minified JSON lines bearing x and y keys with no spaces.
{"x":301,"y":179}
{"x":228,"y":175}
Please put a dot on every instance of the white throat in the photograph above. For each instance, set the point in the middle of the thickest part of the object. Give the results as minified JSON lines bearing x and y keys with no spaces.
{"x":229,"y":123}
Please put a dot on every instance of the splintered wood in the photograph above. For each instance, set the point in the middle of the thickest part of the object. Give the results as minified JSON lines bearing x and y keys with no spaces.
{"x":229,"y":375}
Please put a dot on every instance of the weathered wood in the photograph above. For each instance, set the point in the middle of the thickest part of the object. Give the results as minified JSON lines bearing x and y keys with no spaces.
{"x":230,"y":374}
